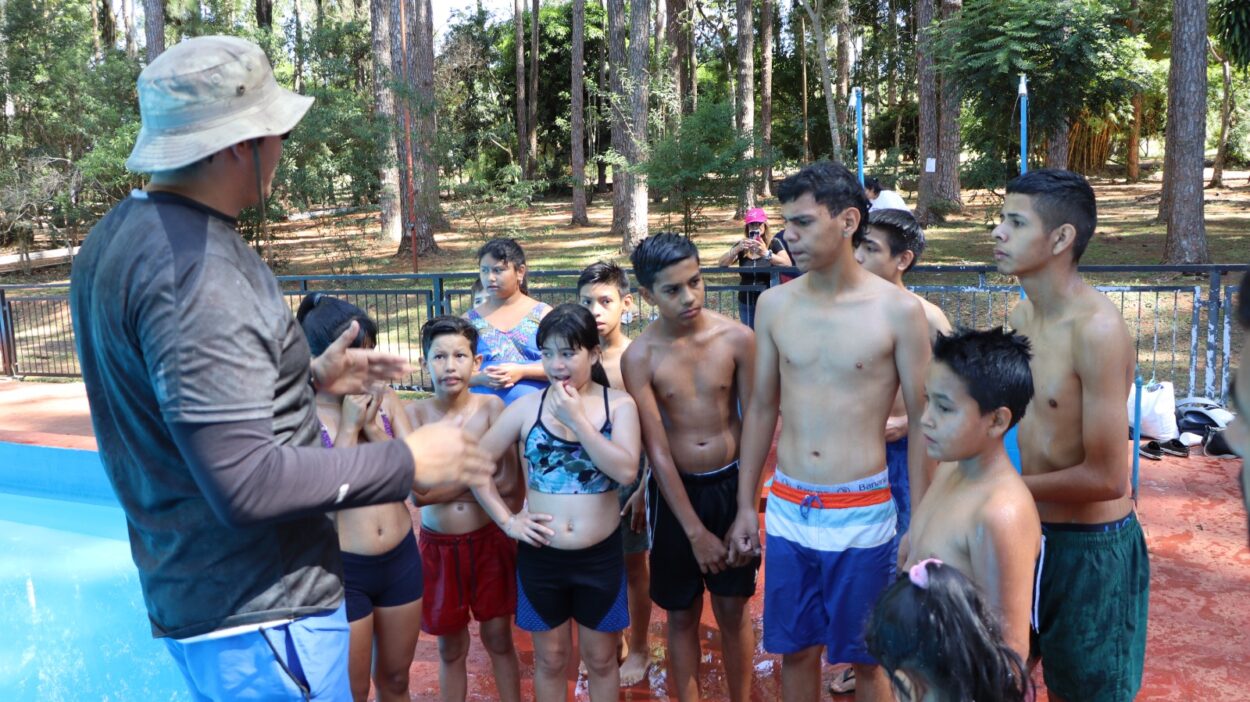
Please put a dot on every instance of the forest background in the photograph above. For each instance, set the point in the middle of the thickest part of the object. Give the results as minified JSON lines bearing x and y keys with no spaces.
{"x":590,"y":122}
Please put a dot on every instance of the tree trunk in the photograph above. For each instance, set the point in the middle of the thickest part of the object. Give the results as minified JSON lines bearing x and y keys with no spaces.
{"x":531,"y":118}
{"x":264,"y":13}
{"x":1057,"y":147}
{"x":405,"y":123}
{"x":1226,"y":114}
{"x":578,"y":119}
{"x":636,"y":229}
{"x":814,"y":10}
{"x":843,"y":28}
{"x":891,"y":56}
{"x":928,"y":99}
{"x":429,"y":207}
{"x":679,"y":40}
{"x":766,"y":95}
{"x":1133,"y":146}
{"x":154,"y":27}
{"x":522,"y":133}
{"x":746,"y":99}
{"x":801,"y":40}
{"x":385,"y":118}
{"x":618,"y":103}
{"x":299,"y":45}
{"x":946,"y":189}
{"x":1186,"y":134}
{"x":128,"y":18}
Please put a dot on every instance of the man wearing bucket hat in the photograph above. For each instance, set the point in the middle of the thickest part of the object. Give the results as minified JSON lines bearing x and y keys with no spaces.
{"x":201,"y":393}
{"x":757,"y":253}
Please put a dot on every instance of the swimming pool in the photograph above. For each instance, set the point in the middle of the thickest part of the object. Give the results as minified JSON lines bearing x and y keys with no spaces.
{"x":73,"y":625}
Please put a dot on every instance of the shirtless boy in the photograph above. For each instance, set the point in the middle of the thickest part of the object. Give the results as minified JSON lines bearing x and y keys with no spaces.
{"x":603,"y":288}
{"x":977,"y":514}
{"x":834,"y":346}
{"x":889,"y":246}
{"x":1095,"y":576}
{"x":689,"y":372}
{"x":470,"y":564}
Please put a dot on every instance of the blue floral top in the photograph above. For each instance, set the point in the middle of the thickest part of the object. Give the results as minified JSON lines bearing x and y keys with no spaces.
{"x":516,"y":345}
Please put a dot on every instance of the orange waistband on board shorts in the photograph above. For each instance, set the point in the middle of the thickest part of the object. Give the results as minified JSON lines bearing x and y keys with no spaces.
{"x":829,"y":500}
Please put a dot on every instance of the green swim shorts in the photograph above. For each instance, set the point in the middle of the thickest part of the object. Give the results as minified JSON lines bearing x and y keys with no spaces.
{"x":1092,"y":597}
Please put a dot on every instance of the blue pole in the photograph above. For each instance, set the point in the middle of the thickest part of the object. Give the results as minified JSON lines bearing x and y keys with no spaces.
{"x":859,"y":131}
{"x":1136,"y":433}
{"x":1024,"y":125}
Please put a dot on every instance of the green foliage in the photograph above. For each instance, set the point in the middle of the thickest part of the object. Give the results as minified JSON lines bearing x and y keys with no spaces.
{"x":1230,"y":23}
{"x":701,"y":162}
{"x":1078,"y":55}
{"x":881,"y":129}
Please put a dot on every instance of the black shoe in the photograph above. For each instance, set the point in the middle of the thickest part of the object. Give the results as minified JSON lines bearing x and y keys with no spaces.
{"x":1174,"y":448}
{"x":1151,"y":450}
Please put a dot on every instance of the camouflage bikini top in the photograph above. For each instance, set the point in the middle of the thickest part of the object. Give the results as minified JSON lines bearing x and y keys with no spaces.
{"x":559,"y":467}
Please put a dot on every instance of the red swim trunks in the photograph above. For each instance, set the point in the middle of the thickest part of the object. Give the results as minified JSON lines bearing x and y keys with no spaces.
{"x":474,"y":572}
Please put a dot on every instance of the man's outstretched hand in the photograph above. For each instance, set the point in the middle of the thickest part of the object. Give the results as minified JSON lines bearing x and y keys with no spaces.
{"x":346,"y":371}
{"x":444,"y":454}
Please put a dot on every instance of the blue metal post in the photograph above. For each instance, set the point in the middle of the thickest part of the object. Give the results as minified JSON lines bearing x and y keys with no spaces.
{"x":1137,"y":382}
{"x":859,"y":132}
{"x":1024,"y":125}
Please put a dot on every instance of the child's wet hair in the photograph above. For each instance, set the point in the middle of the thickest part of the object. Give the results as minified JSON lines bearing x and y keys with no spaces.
{"x":1060,"y":197}
{"x":831,"y":185}
{"x":902,"y":233}
{"x":994,"y":365}
{"x":506,"y":251}
{"x":872,"y":184}
{"x":324,"y":317}
{"x":659,"y":251}
{"x":443,"y":325}
{"x":946,"y":637}
{"x":575,"y":326}
{"x":605,"y":273}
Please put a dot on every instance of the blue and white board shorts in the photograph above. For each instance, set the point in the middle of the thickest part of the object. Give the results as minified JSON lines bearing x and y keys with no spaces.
{"x":829,"y":556}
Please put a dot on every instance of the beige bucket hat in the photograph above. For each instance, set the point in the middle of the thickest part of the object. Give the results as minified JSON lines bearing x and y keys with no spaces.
{"x":205,"y":94}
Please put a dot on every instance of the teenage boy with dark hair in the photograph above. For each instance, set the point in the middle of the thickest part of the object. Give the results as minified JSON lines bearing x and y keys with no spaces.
{"x":603,"y":288}
{"x":890,"y":246}
{"x":977,"y":514}
{"x":469,"y":563}
{"x":689,"y":373}
{"x":835,"y":345}
{"x":1095,"y":575}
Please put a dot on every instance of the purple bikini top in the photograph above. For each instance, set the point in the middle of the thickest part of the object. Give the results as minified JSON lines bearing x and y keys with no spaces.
{"x":328,"y":442}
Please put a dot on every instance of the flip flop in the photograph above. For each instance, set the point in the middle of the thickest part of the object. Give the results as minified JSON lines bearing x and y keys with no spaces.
{"x":1174,"y":447}
{"x":843,"y":681}
{"x":1151,"y":450}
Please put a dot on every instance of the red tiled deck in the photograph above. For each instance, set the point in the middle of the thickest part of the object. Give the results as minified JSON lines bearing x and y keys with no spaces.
{"x":1191,"y":510}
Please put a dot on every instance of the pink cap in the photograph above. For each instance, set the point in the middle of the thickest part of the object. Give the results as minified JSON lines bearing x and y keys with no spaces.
{"x":756,"y":214}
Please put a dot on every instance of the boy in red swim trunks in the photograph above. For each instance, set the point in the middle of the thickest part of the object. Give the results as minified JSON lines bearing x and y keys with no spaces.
{"x":470,"y":565}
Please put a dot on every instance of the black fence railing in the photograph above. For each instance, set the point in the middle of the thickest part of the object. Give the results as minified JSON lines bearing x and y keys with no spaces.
{"x":1184,"y":330}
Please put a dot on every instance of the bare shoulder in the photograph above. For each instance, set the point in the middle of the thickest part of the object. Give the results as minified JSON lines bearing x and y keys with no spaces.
{"x":419,"y":411}
{"x":619,"y":398}
{"x":490,"y":405}
{"x":938,"y":322}
{"x":1021,"y":314}
{"x":638,"y":353}
{"x":1009,"y":507}
{"x":731,"y":331}
{"x":900,"y":305}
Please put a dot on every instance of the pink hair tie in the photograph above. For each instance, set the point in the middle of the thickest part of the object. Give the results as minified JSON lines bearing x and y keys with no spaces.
{"x":919,"y":574}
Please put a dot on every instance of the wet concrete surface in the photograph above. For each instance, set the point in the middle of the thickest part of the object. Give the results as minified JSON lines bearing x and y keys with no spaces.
{"x":1191,"y":510}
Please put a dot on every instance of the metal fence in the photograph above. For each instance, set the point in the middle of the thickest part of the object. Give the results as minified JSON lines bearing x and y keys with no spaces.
{"x":1184,"y":331}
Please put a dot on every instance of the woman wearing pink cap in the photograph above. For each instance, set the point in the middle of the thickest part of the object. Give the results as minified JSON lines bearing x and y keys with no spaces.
{"x":756,"y":254}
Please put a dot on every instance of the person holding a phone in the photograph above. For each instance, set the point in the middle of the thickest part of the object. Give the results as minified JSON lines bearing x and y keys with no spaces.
{"x":756,"y":254}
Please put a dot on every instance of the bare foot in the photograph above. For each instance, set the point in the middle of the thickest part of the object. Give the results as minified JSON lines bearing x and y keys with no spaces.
{"x":634,"y":668}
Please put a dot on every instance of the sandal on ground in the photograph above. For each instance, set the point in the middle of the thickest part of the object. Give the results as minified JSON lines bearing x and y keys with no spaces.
{"x":1174,"y":447}
{"x":1151,"y":450}
{"x":843,"y":681}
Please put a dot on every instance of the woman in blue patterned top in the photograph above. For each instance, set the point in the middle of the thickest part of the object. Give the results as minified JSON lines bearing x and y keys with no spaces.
{"x":506,"y":324}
